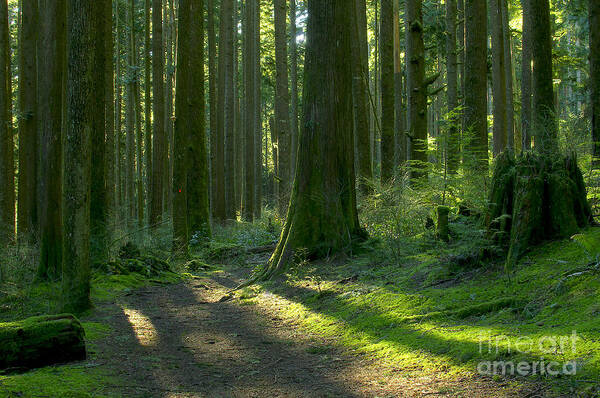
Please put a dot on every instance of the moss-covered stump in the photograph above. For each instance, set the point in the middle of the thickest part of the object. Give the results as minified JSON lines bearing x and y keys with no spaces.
{"x":535,"y":198}
{"x":442,"y":231}
{"x":41,"y":341}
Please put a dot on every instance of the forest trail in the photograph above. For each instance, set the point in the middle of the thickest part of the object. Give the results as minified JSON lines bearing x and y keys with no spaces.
{"x":182,"y":341}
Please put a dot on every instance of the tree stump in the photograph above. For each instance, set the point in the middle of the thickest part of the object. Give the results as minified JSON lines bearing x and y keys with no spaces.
{"x":443,"y":232}
{"x":41,"y":341}
{"x":535,"y":198}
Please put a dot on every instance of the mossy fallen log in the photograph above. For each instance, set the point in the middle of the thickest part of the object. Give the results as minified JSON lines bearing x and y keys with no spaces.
{"x":41,"y":341}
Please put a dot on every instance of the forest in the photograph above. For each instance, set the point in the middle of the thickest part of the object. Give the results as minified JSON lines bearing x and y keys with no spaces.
{"x":300,"y":198}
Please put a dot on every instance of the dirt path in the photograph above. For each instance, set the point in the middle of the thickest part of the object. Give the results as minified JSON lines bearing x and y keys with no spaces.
{"x":180,"y":341}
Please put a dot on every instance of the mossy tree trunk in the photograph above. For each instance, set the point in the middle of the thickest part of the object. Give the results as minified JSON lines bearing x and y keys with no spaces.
{"x":322,"y":216}
{"x":386,"y":53}
{"x":7,"y":172}
{"x":594,"y":15}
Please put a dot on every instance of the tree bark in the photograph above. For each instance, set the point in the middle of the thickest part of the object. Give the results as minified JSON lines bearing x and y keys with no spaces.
{"x":130,"y":119}
{"x":109,"y":169}
{"x":475,"y":124}
{"x":498,"y":76}
{"x":7,"y":167}
{"x":322,"y":217}
{"x":294,"y":89}
{"x":282,"y":107}
{"x":453,"y":144}
{"x":400,"y":115}
{"x":28,"y":139}
{"x":508,"y":72}
{"x":386,"y":53}
{"x":212,"y":100}
{"x":258,"y":170}
{"x":594,"y":15}
{"x":82,"y":108}
{"x":416,"y":87}
{"x":159,"y":142}
{"x":250,"y":119}
{"x":51,"y":52}
{"x":226,"y":113}
{"x":545,"y":127}
{"x":526,"y":77}
{"x":147,"y":99}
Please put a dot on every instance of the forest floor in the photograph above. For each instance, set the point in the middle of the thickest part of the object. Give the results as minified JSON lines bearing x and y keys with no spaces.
{"x":386,"y":322}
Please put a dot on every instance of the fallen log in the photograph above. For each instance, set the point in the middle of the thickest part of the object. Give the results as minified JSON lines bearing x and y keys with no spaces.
{"x":41,"y":341}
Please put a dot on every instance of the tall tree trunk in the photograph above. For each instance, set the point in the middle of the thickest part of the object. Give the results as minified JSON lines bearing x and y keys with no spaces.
{"x":212,"y":100}
{"x":594,"y":14}
{"x":190,"y":173}
{"x":498,"y":76}
{"x":98,"y":210}
{"x":258,"y":171}
{"x":294,"y":83}
{"x":545,"y":127}
{"x":322,"y":216}
{"x":461,"y":48}
{"x":7,"y":167}
{"x":226,"y":104}
{"x":130,"y":118}
{"x":282,"y":107}
{"x":170,"y":34}
{"x":475,"y":91}
{"x":147,"y":98}
{"x":28,"y":139}
{"x":159,"y":144}
{"x":526,"y":77}
{"x":453,"y":144}
{"x":118,"y":119}
{"x":51,"y":51}
{"x":82,"y":112}
{"x":400,"y":125}
{"x":508,"y":72}
{"x":238,"y":125}
{"x":361,"y":71}
{"x":416,"y":86}
{"x":386,"y":53}
{"x":109,"y":169}
{"x":250,"y":107}
{"x":224,"y":172}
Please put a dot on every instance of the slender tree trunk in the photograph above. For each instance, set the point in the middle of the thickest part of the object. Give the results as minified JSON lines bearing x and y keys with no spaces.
{"x":7,"y":167}
{"x":239,"y":135}
{"x":212,"y":100}
{"x":545,"y":127}
{"x":118,"y":118}
{"x":475,"y":93}
{"x":98,"y":210}
{"x":159,"y":144}
{"x":147,"y":99}
{"x":82,"y":110}
{"x":258,"y":171}
{"x":461,"y":48}
{"x":386,"y":53}
{"x":294,"y":83}
{"x":498,"y":76}
{"x":109,"y":167}
{"x":250,"y":119}
{"x":594,"y":15}
{"x":51,"y":77}
{"x":226,"y":116}
{"x":322,"y":217}
{"x":282,"y":107}
{"x":416,"y":86}
{"x":28,"y":139}
{"x":170,"y":32}
{"x":526,"y":77}
{"x":400,"y":125}
{"x":453,"y":145}
{"x":508,"y":72}
{"x":130,"y":118}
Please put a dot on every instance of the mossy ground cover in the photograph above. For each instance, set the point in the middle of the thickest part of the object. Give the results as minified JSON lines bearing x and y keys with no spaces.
{"x":421,"y":314}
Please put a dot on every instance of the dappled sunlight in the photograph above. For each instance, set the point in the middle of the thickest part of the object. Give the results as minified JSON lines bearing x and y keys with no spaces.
{"x":142,"y":326}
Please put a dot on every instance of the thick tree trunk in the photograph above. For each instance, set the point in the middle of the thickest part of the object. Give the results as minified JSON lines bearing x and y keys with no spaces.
{"x":498,"y":76}
{"x":212,"y":100}
{"x":159,"y":141}
{"x":453,"y":144}
{"x":594,"y":13}
{"x":130,"y":119}
{"x":400,"y":114}
{"x":545,"y":127}
{"x":526,"y":77}
{"x":28,"y":139}
{"x":147,"y":99}
{"x":508,"y":72}
{"x":475,"y":124}
{"x":386,"y":52}
{"x":82,"y":108}
{"x":118,"y":121}
{"x":7,"y":167}
{"x":322,"y":217}
{"x":51,"y":53}
{"x":41,"y":341}
{"x":282,"y":107}
{"x":416,"y":86}
{"x":294,"y":83}
{"x":109,"y":81}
